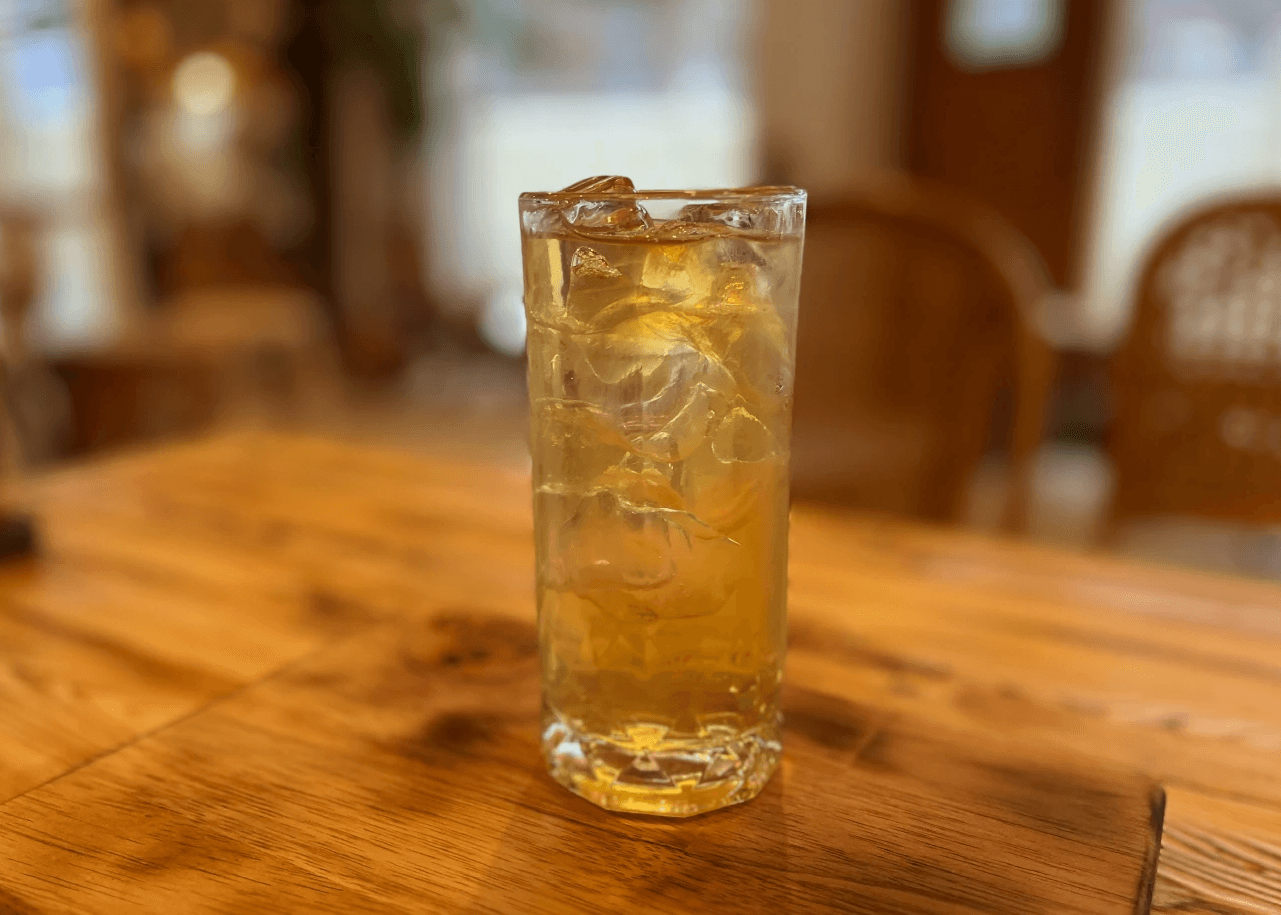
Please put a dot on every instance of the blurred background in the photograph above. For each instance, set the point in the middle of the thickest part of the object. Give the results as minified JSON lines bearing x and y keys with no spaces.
{"x":1043,"y":271}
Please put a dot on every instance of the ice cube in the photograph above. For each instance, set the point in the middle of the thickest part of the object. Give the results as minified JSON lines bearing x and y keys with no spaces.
{"x":657,"y":374}
{"x":594,"y":284}
{"x":716,"y":271}
{"x":649,"y":387}
{"x":678,"y":231}
{"x":709,"y":278}
{"x":602,"y":184}
{"x":673,"y":424}
{"x":605,"y":218}
{"x":600,"y":297}
{"x":673,"y":268}
{"x":757,"y":354}
{"x":725,"y":214}
{"x":589,"y":264}
{"x":640,"y":486}
{"x":735,"y":288}
{"x":577,"y":443}
{"x":612,"y":532}
{"x":644,"y":343}
{"x":641,"y":301}
{"x":637,"y":561}
{"x":742,"y":438}
{"x":708,"y":567}
{"x":599,"y":542}
{"x":742,"y":215}
{"x":734,"y":479}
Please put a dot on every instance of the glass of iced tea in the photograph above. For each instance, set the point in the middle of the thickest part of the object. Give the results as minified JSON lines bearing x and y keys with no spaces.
{"x":661,"y":351}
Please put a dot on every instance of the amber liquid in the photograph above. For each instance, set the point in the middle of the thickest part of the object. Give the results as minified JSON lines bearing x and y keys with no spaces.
{"x":660,"y":376}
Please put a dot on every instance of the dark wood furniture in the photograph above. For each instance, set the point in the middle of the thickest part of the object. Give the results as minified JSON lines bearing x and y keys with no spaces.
{"x":1016,"y":123}
{"x":919,"y":307}
{"x":211,"y":357}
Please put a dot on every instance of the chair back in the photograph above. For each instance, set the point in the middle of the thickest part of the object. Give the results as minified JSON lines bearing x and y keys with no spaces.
{"x":1197,"y":425}
{"x":917,"y":310}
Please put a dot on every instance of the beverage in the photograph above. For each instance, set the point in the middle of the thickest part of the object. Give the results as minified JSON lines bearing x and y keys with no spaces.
{"x":660,"y":376}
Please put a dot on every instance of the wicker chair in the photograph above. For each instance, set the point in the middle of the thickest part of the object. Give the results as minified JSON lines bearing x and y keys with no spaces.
{"x":1197,"y":427}
{"x":918,"y":306}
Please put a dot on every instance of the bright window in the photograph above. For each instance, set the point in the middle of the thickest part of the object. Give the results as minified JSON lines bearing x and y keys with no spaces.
{"x":537,"y":95}
{"x":47,"y":164}
{"x":1198,"y":113}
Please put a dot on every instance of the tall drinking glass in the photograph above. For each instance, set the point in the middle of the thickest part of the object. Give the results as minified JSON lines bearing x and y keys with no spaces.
{"x":661,"y":352}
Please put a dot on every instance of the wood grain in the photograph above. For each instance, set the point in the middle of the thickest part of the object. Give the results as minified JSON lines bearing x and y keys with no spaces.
{"x":261,"y":673}
{"x":400,"y":772}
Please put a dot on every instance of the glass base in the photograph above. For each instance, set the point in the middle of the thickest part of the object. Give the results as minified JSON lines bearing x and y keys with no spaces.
{"x":662,"y":777}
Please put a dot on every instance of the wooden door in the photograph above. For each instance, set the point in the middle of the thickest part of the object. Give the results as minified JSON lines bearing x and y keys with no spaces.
{"x":1005,"y":103}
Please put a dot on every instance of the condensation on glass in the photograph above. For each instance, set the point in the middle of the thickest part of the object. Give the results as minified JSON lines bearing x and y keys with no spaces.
{"x":661,"y":333}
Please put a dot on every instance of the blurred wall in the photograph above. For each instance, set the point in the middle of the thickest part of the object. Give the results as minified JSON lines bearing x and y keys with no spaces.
{"x":831,"y":85}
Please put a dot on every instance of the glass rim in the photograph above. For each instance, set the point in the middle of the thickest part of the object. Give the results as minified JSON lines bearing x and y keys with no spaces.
{"x":767,"y":193}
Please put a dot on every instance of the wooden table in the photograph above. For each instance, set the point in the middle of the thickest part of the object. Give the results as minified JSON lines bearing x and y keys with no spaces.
{"x":157,"y":746}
